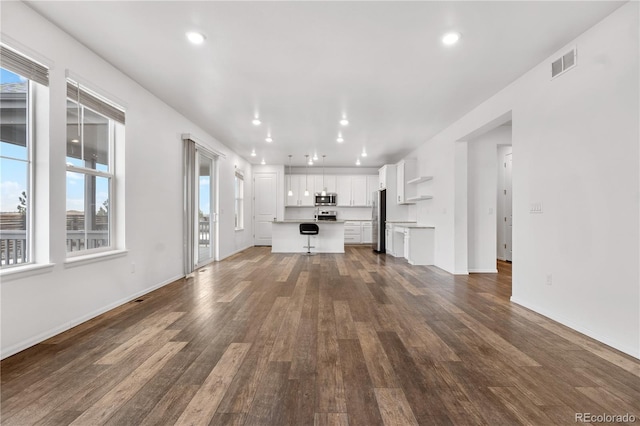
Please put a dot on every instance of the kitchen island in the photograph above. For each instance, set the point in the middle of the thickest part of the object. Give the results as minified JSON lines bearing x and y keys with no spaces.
{"x":286,"y":238}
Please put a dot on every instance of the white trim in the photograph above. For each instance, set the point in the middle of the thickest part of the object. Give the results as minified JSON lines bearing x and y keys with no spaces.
{"x":85,"y":171}
{"x":97,"y":91}
{"x":203,"y":146}
{"x":84,"y":259}
{"x":483,"y":271}
{"x":634,"y":352}
{"x":16,"y":272}
{"x":27,"y":343}
{"x":461,"y":273}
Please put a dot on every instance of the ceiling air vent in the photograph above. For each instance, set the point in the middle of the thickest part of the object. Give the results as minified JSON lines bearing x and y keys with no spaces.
{"x":563,"y":63}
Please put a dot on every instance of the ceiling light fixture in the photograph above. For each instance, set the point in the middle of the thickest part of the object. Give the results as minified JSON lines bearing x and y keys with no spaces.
{"x":256,"y":121}
{"x":315,"y":157}
{"x":450,"y":38}
{"x":290,"y":193}
{"x":364,"y":153}
{"x":269,"y":139}
{"x":75,"y":140}
{"x":306,"y":178}
{"x":344,"y":121}
{"x":195,"y":37}
{"x":340,"y":139}
{"x":253,"y":152}
{"x":358,"y":162}
{"x":263,"y":162}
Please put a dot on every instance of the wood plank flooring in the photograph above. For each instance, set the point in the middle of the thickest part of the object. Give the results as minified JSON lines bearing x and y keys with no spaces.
{"x":353,"y":339}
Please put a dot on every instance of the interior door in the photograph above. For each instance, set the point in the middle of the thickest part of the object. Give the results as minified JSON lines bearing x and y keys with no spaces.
{"x":508,"y":207}
{"x":265,"y":200}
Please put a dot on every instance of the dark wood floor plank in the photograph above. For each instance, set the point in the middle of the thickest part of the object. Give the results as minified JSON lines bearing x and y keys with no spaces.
{"x":334,"y":339}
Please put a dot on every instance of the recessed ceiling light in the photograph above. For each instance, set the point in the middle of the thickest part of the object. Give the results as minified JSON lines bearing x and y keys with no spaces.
{"x":195,"y":38}
{"x":269,"y":139}
{"x":253,"y":153}
{"x":344,"y":122}
{"x":256,"y":122}
{"x":263,"y":162}
{"x":450,"y":38}
{"x":75,"y":141}
{"x":358,"y":162}
{"x":364,"y":153}
{"x":340,"y":139}
{"x":315,"y":157}
{"x":310,"y":162}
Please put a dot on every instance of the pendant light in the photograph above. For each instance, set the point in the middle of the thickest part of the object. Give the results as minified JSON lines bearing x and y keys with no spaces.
{"x":290,"y":193}
{"x":324,"y":188}
{"x":306,"y":178}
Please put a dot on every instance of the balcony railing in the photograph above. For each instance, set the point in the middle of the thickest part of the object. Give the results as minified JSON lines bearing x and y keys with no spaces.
{"x":13,"y":247}
{"x":13,"y":244}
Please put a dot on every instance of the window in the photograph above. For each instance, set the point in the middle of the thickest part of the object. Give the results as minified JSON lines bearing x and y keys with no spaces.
{"x":91,"y":130}
{"x":239,"y":207}
{"x":19,"y":76}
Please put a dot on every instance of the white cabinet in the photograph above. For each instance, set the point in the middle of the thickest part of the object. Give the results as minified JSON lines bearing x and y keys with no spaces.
{"x":358,"y":232}
{"x":367,"y":233}
{"x":352,"y":232}
{"x":352,"y":191}
{"x":382,"y":176}
{"x":417,"y":244}
{"x":372,"y":186}
{"x":405,"y":171}
{"x":299,"y":184}
{"x":329,"y":183}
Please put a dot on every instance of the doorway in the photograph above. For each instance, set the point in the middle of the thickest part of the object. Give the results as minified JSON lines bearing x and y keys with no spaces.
{"x":205,"y":223}
{"x":200,"y":221}
{"x":508,"y":207}
{"x":264,"y":206}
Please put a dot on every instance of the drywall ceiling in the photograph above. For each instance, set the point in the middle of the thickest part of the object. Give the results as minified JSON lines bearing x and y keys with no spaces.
{"x":301,"y":66}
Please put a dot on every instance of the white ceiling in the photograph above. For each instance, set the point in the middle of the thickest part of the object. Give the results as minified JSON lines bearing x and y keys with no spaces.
{"x":301,"y":65}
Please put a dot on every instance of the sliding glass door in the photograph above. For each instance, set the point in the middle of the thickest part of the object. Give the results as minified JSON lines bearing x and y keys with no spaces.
{"x":205,"y":223}
{"x":200,"y":206}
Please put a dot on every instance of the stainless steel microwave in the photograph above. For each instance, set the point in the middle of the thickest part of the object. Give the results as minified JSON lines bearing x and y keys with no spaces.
{"x":329,"y":199}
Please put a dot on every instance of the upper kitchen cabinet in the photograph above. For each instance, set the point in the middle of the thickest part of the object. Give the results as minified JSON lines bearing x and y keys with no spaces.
{"x":405,"y":171}
{"x":352,"y":191}
{"x":329,"y":183}
{"x":300,"y":183}
{"x":373,"y":184}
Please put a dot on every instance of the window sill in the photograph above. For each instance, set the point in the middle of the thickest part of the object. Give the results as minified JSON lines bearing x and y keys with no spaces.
{"x":91,"y":258}
{"x":18,"y":272}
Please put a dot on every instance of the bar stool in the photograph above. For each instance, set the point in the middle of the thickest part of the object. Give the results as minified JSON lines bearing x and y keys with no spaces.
{"x":309,"y":229}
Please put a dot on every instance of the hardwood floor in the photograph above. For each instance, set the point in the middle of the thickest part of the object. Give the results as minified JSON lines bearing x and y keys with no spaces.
{"x":354,"y":339}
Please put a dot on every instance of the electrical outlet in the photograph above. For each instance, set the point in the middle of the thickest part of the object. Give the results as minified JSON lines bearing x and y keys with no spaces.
{"x":535,"y":208}
{"x":549,"y":279}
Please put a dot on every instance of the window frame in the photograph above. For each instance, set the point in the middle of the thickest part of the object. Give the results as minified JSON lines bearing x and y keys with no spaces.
{"x":87,"y":172}
{"x":239,"y":201}
{"x":30,"y":181}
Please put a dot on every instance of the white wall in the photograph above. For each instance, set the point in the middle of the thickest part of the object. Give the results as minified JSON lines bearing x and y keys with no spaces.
{"x":482,"y":197}
{"x":576,"y":150}
{"x":38,"y":306}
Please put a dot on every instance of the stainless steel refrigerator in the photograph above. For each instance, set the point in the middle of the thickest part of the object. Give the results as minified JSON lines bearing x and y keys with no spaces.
{"x":379,"y":218}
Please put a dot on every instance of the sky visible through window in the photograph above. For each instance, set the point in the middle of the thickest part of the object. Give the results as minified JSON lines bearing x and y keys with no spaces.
{"x":13,"y":175}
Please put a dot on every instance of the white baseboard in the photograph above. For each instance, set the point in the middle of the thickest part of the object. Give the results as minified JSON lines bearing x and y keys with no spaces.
{"x":461,"y":272}
{"x":27,"y":343}
{"x":483,"y":271}
{"x":580,"y":329}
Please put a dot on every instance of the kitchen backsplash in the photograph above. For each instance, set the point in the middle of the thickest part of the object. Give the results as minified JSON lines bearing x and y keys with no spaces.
{"x":344,"y":213}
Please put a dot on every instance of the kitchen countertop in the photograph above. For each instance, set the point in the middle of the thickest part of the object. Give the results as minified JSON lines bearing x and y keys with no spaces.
{"x":417,"y":227}
{"x":400,"y":221}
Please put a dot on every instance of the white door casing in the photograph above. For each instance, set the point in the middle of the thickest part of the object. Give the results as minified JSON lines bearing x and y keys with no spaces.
{"x":508,"y":207}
